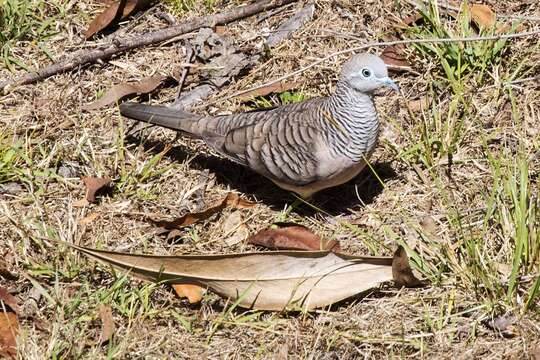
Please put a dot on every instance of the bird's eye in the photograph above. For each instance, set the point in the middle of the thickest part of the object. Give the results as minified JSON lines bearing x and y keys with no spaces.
{"x":366,"y":73}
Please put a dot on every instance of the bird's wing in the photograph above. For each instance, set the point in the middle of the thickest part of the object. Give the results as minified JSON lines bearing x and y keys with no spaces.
{"x":281,"y":145}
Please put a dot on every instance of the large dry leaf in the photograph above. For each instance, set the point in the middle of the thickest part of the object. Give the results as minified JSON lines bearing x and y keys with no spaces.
{"x":292,"y":237}
{"x":115,"y":12}
{"x":269,"y":280}
{"x":117,"y":92}
{"x":231,"y":200}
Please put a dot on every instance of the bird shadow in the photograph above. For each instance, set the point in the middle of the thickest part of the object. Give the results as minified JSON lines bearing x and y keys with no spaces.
{"x":360,"y":191}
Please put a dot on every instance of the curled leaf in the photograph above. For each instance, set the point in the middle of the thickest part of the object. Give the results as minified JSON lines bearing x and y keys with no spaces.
{"x":401,"y":270}
{"x":482,"y":15}
{"x":93,"y":185}
{"x":193,"y":293}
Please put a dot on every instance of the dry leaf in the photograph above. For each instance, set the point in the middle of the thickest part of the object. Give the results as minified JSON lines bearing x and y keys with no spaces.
{"x":394,"y":55}
{"x":234,"y":230}
{"x":9,"y":324}
{"x":401,"y":270}
{"x":292,"y":237}
{"x":269,"y":89}
{"x":193,"y":293}
{"x":482,"y":15}
{"x":8,"y":301}
{"x":535,"y":351}
{"x":114,"y":13}
{"x":9,"y":329}
{"x":231,"y":200}
{"x":89,"y":218}
{"x":270,"y":280}
{"x":107,"y":324}
{"x":117,"y":92}
{"x":93,"y":185}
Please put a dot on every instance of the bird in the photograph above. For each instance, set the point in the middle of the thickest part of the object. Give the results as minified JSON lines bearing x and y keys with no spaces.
{"x":302,"y":147}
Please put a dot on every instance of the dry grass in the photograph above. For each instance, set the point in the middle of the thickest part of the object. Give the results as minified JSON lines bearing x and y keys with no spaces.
{"x":464,"y":222}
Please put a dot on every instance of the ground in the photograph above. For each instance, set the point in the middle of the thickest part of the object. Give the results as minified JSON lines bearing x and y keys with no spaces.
{"x":455,"y":182}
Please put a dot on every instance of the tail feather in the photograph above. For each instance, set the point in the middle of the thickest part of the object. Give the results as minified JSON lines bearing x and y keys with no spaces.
{"x":161,"y":115}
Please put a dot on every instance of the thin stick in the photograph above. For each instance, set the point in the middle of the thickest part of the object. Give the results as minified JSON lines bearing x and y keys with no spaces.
{"x":123,"y":44}
{"x":384,"y":43}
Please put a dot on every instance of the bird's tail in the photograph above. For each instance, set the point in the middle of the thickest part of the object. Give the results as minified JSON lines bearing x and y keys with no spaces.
{"x":163,"y":116}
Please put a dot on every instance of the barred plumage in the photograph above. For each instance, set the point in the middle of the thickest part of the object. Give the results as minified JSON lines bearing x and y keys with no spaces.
{"x":303,"y":147}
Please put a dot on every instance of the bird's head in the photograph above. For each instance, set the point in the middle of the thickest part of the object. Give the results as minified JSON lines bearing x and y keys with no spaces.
{"x":366,"y":73}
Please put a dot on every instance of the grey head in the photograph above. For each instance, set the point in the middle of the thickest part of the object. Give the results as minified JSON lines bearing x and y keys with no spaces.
{"x":366,"y":73}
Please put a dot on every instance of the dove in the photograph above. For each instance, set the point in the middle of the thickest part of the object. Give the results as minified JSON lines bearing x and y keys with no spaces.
{"x":302,"y":147}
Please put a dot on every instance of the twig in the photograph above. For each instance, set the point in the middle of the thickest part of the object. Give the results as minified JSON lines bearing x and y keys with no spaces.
{"x":385,"y":43}
{"x":190,"y":54}
{"x":123,"y":44}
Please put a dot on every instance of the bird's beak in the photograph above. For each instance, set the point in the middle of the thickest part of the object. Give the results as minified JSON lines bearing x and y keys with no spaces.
{"x":386,"y":81}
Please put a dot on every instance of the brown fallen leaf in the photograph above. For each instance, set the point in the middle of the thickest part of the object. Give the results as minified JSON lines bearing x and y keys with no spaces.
{"x":394,"y":56}
{"x":269,"y":89}
{"x":8,"y":301}
{"x":234,"y":229}
{"x":9,"y":324}
{"x":107,"y":324}
{"x":275,"y":280}
{"x":535,"y":351}
{"x":401,"y":270}
{"x":482,"y":15}
{"x":118,"y":91}
{"x":114,"y":13}
{"x":9,"y":329}
{"x":292,"y":237}
{"x":230,"y":200}
{"x":93,"y":185}
{"x":194,"y":293}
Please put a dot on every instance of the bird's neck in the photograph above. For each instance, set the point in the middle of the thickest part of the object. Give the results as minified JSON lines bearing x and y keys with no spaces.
{"x":356,"y":127}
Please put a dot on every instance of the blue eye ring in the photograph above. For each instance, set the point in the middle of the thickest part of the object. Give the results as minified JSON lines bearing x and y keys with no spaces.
{"x":366,"y":72}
